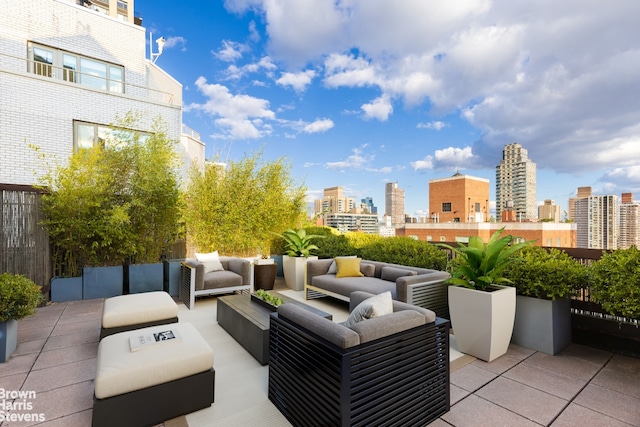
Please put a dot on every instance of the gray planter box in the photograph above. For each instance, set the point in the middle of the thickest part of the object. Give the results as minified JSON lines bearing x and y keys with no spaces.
{"x":145,"y":278}
{"x":8,"y":339}
{"x":102,"y":282}
{"x":65,"y":289}
{"x":171,"y":276}
{"x":542,"y":325}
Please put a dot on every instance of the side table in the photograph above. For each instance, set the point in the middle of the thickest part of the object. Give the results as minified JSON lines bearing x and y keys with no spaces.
{"x":264,"y":276}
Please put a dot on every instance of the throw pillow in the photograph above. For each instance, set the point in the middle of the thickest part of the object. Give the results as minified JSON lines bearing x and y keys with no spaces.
{"x":375,"y":306}
{"x":369,"y":270}
{"x":348,"y":267}
{"x":333,"y":268}
{"x":211,"y":261}
{"x":392,"y":273}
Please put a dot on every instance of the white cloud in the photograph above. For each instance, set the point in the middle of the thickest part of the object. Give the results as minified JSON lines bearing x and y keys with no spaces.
{"x":450,"y":158}
{"x":357,"y":160}
{"x":230,"y":51}
{"x":320,"y":125}
{"x":437,"y":125}
{"x":380,"y":108}
{"x":298,"y":81}
{"x":239,"y":116}
{"x":171,"y":42}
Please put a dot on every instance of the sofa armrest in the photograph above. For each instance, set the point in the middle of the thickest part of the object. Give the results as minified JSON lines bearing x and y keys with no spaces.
{"x":199,"y":272}
{"x":317,"y":267}
{"x":242,"y":267}
{"x":389,"y":324}
{"x":427,"y":279}
{"x":333,"y":332}
{"x":430,"y":292}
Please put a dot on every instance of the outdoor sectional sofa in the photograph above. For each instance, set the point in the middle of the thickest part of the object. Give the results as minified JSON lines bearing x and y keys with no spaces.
{"x":391,"y":370}
{"x":418,"y":286}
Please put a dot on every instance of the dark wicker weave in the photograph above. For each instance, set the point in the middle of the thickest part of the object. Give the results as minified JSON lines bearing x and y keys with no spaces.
{"x":400,"y":380}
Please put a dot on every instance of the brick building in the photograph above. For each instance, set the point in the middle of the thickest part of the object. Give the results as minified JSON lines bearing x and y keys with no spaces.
{"x":460,"y":198}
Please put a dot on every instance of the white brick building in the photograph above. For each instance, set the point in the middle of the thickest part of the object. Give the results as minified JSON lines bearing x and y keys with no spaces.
{"x":67,"y":71}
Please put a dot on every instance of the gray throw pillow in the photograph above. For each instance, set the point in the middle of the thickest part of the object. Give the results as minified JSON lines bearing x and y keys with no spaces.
{"x":369,"y":270}
{"x":375,"y":306}
{"x":392,"y":273}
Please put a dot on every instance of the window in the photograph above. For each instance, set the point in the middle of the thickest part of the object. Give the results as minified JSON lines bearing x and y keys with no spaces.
{"x":89,"y":135}
{"x":446,"y":207}
{"x":59,"y":64}
{"x":477,"y":207}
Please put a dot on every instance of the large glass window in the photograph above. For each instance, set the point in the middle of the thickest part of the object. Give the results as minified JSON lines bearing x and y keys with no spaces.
{"x":89,"y":135}
{"x":74,"y":68}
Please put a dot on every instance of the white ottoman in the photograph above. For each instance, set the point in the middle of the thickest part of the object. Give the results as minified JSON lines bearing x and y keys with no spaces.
{"x":155,"y":383}
{"x":135,"y":311}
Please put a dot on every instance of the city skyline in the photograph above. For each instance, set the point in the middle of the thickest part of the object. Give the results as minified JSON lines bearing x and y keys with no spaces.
{"x":359,"y":94}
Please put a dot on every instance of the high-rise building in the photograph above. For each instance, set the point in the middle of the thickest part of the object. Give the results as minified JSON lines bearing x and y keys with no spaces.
{"x":596,"y":219}
{"x":549,"y":211}
{"x":367,"y":204}
{"x":366,"y":223}
{"x":581,"y":194}
{"x":516,"y":183}
{"x":394,"y":203}
{"x":629,"y":222}
{"x":333,"y":201}
{"x":460,"y":198}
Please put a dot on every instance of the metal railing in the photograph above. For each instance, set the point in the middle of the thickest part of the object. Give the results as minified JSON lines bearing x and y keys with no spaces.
{"x":37,"y":69}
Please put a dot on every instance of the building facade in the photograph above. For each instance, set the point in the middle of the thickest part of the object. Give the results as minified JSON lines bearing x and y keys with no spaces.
{"x":516,"y":183}
{"x":460,"y":198}
{"x":548,"y":234}
{"x":549,"y":211}
{"x":394,"y":203}
{"x":333,"y":201}
{"x":596,"y":219}
{"x":344,"y":222}
{"x":629,"y":222}
{"x":581,"y":194}
{"x":368,"y":206}
{"x":68,"y":71}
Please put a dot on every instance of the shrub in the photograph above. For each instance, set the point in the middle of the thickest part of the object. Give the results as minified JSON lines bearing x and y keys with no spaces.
{"x":614,"y":282}
{"x":19,"y":297}
{"x":546,"y":274}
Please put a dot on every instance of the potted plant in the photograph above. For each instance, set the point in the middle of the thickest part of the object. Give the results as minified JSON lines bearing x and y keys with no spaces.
{"x":298,"y":246}
{"x":19,"y":298}
{"x":544,"y":281}
{"x":267,"y":299}
{"x":482,"y":309}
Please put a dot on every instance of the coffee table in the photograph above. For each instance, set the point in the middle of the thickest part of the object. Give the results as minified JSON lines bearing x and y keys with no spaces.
{"x":248,"y":322}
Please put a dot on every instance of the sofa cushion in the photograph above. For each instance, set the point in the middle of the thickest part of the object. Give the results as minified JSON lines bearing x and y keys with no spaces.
{"x":333,"y":332}
{"x":345,"y":286}
{"x":348,"y":267}
{"x":369,"y":270}
{"x":221,"y":279}
{"x":211,"y":261}
{"x":383,"y":326}
{"x":392,"y":273}
{"x":375,"y":306}
{"x":333,"y":268}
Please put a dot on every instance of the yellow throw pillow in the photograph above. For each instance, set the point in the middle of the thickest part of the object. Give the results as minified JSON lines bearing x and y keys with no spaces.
{"x":348,"y":267}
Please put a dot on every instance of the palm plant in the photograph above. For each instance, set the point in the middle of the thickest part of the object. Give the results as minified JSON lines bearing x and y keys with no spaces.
{"x":480,"y":265}
{"x":298,"y":243}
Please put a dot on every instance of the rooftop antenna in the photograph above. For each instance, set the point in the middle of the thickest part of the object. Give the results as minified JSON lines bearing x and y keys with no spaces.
{"x":160,"y":43}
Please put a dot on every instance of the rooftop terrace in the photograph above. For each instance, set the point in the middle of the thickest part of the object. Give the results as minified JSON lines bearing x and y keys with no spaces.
{"x":56,"y":359}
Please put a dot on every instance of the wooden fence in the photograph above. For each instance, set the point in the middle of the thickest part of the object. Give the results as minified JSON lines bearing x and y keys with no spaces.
{"x":24,"y":244}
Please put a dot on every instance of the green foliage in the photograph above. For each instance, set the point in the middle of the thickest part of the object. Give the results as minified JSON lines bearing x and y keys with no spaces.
{"x":236,"y":210}
{"x":546,"y":274}
{"x":396,"y":250}
{"x":299,"y":243}
{"x":482,"y":264}
{"x":19,"y":297}
{"x":114,"y":203}
{"x":615,"y":282}
{"x":269,"y":298}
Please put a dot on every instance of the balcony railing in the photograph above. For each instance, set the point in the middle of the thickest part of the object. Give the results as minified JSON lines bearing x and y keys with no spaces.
{"x":27,"y":67}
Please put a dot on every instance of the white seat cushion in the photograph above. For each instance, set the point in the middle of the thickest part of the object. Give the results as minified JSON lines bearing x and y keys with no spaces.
{"x":120,"y":370}
{"x":133,"y":309}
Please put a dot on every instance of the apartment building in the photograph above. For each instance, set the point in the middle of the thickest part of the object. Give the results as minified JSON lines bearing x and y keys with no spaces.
{"x":68,"y":70}
{"x":629,"y":222}
{"x":344,"y":222}
{"x":394,"y":203}
{"x":549,"y":211}
{"x":516,"y":184}
{"x":596,"y":219}
{"x":581,"y":193}
{"x":333,"y":201}
{"x":460,"y":198}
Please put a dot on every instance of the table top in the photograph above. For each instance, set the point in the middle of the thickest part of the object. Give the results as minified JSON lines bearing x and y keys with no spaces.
{"x":259,"y":314}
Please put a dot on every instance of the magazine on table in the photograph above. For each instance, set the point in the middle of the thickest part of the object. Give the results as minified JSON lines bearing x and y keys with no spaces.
{"x":138,"y":341}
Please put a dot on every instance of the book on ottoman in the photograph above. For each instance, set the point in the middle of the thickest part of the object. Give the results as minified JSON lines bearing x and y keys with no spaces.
{"x":138,"y":341}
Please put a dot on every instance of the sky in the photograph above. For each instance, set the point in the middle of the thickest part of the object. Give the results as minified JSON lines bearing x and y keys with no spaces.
{"x":358,"y":93}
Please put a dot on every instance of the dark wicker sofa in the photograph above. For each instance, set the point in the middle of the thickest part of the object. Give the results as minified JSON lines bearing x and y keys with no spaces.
{"x":389,"y":370}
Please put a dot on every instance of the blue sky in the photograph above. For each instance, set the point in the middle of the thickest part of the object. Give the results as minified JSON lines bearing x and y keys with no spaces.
{"x":358,"y":93}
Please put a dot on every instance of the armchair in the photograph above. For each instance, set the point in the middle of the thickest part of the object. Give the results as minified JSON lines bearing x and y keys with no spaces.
{"x":236,"y":277}
{"x":388,"y":370}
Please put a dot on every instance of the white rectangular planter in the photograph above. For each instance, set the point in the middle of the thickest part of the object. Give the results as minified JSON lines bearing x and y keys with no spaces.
{"x":542,"y":325}
{"x":482,"y":322}
{"x":295,"y":271}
